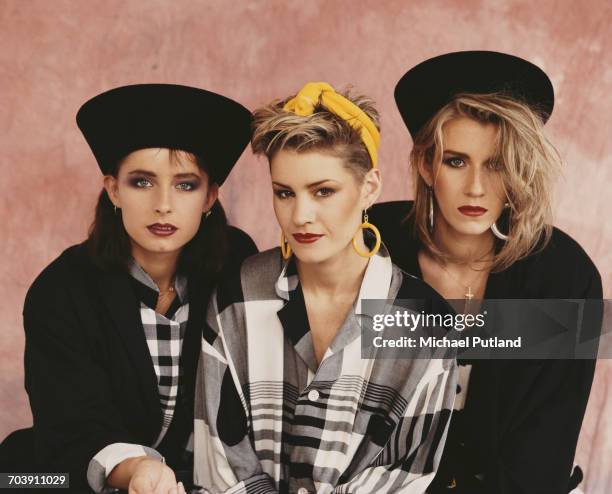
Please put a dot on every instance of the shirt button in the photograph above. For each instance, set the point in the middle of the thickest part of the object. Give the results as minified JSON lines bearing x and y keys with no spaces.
{"x":313,"y":395}
{"x":303,"y":490}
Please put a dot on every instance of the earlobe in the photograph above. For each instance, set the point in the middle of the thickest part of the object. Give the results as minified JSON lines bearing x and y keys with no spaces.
{"x":212,"y":196}
{"x":373,"y":187}
{"x":110,"y":185}
{"x":425,"y":172}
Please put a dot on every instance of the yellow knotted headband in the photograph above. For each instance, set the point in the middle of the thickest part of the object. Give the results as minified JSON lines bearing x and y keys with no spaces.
{"x":309,"y":96}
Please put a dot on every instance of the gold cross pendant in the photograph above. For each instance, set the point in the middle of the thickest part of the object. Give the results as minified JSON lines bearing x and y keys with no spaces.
{"x":469,"y":295}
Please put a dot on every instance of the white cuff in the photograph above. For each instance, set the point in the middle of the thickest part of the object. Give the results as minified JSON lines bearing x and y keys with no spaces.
{"x":102,"y":464}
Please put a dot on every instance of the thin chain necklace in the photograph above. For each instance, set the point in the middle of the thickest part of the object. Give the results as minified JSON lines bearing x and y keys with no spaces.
{"x":164,"y":296}
{"x":168,"y":290}
{"x":469,"y":295}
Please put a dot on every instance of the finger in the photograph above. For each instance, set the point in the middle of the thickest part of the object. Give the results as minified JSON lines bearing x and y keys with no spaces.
{"x":167,"y":482}
{"x":140,"y":485}
{"x":173,"y":488}
{"x":166,"y":488}
{"x":149,"y":473}
{"x":181,"y":488}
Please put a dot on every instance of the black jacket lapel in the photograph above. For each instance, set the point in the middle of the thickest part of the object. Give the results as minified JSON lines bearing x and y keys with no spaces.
{"x":123,"y":308}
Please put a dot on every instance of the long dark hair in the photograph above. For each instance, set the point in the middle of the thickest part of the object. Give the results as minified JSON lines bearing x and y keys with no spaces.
{"x":109,"y":245}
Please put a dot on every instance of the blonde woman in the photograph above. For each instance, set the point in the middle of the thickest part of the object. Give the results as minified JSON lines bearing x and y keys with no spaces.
{"x":285,"y":402}
{"x":480,"y":228}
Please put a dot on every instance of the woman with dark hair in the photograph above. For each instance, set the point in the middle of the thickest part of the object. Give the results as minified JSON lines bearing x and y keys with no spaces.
{"x":480,"y":228}
{"x":112,"y":338}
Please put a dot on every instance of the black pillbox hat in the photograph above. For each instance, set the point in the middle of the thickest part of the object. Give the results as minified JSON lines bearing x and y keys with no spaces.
{"x":129,"y":118}
{"x":429,"y":86}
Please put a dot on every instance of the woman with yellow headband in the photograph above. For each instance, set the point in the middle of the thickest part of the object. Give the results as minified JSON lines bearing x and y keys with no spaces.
{"x":285,"y":400}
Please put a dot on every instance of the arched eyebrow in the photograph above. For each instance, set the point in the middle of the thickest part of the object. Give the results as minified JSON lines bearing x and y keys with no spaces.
{"x":146,"y":173}
{"x":457,"y":153}
{"x":187,"y":175}
{"x":151,"y":174}
{"x":309,"y":186}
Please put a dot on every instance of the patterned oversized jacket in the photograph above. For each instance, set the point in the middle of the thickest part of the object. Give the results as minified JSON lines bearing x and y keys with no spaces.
{"x":269,"y":419}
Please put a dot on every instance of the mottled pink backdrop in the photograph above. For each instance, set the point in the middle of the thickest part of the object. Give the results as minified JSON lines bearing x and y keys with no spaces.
{"x":55,"y":55}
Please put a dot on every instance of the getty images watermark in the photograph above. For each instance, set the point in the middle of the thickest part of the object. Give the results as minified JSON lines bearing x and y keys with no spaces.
{"x":412,"y":321}
{"x":492,"y":329}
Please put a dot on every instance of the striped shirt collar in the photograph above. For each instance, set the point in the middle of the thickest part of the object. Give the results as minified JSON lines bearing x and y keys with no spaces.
{"x":375,"y":284}
{"x":294,"y":318}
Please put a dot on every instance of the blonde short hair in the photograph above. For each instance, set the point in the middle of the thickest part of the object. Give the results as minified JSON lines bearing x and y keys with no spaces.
{"x":275,"y":129}
{"x":529,"y":164}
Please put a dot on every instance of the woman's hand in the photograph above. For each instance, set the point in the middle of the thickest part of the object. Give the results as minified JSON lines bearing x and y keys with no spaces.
{"x":144,"y":475}
{"x":151,"y":476}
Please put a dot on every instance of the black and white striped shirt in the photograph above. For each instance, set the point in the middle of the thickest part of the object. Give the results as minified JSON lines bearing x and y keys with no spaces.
{"x":268,"y":418}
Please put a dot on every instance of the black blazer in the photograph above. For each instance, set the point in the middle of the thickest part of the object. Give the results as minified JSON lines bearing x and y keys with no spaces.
{"x":522,"y":417}
{"x":88,"y":371}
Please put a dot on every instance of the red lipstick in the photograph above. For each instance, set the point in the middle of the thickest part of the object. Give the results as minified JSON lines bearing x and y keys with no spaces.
{"x":306,"y":238}
{"x":162,"y":229}
{"x":472,"y":210}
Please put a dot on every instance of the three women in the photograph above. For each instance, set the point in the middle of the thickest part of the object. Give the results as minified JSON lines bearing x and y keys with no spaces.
{"x":285,"y":399}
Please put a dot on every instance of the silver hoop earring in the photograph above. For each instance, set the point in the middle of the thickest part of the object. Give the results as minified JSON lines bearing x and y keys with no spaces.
{"x":496,"y":231}
{"x":115,"y":208}
{"x":207,"y":214}
{"x":498,"y":234}
{"x":431,"y":209}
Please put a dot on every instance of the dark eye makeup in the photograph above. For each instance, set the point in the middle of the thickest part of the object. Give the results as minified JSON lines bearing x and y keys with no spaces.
{"x":141,"y":182}
{"x":283,"y":193}
{"x":454,"y":161}
{"x":460,"y":162}
{"x":188,"y":185}
{"x":325,"y":192}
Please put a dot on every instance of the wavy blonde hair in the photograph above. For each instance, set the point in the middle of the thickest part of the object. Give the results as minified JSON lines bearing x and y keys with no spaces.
{"x":528,"y":161}
{"x":275,"y":128}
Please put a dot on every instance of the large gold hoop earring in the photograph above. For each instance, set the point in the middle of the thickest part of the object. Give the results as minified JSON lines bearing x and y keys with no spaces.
{"x":367,"y":226}
{"x":285,"y":247}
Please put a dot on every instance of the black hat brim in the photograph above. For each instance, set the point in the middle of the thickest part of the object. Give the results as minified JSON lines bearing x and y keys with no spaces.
{"x":429,"y":86}
{"x":125,"y":119}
